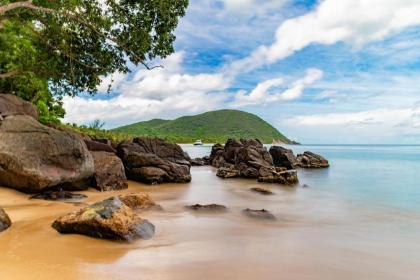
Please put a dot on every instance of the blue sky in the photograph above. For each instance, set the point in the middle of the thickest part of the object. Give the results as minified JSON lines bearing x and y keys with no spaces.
{"x":332,"y":71}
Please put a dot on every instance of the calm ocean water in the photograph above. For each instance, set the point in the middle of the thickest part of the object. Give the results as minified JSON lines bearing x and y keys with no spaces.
{"x":377,"y":175}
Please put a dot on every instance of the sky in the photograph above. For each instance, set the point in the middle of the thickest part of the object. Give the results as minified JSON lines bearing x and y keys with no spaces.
{"x":321,"y":72}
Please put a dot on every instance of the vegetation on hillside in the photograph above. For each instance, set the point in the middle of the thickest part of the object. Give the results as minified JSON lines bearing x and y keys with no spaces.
{"x":49,"y":49}
{"x":210,"y":127}
{"x":95,"y":131}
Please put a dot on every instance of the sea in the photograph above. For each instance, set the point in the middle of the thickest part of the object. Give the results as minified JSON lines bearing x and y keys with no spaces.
{"x":357,"y":220}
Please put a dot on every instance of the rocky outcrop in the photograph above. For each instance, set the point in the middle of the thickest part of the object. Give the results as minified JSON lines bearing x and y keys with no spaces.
{"x":59,"y":195}
{"x":283,"y":157}
{"x":154,"y":161}
{"x":259,"y":214}
{"x":11,"y":105}
{"x":311,"y":160}
{"x":5,"y":222}
{"x":249,"y":159}
{"x":34,"y":157}
{"x":139,"y":201}
{"x":109,"y":172}
{"x":108,"y":219}
{"x":207,"y":207}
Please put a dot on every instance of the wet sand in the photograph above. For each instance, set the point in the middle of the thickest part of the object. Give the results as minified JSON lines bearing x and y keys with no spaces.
{"x":318,"y":235}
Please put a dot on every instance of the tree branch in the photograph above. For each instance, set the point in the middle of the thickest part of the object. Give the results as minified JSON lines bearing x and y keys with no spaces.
{"x":29,"y":5}
{"x":10,"y":74}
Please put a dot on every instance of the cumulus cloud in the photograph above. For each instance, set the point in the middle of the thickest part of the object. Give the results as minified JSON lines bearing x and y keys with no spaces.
{"x":350,"y":21}
{"x":148,"y":94}
{"x":267,"y":91}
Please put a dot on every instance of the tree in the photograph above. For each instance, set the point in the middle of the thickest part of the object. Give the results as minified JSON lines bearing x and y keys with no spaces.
{"x":66,"y":46}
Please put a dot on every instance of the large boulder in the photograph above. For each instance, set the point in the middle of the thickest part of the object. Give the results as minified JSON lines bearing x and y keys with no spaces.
{"x":5,"y":222}
{"x":311,"y":160}
{"x":109,"y":172}
{"x":11,"y":105}
{"x":34,"y":157}
{"x":108,"y":219}
{"x":99,"y":146}
{"x":154,"y":161}
{"x":283,"y":157}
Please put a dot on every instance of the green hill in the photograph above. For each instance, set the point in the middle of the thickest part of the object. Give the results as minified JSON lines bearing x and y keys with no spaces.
{"x":210,"y":127}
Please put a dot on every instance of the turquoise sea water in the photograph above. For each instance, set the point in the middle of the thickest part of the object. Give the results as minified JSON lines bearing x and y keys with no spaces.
{"x":377,"y":175}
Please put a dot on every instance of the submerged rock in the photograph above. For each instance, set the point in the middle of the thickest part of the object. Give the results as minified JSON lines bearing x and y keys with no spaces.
{"x":285,"y":178}
{"x":109,"y":172}
{"x":108,"y":219}
{"x":198,"y":162}
{"x":5,"y":222}
{"x":154,"y":161}
{"x":139,"y":201}
{"x":59,"y":196}
{"x":312,"y":160}
{"x":207,"y":207}
{"x":263,"y":191}
{"x":11,"y":105}
{"x":34,"y":157}
{"x":259,"y":214}
{"x":283,"y":157}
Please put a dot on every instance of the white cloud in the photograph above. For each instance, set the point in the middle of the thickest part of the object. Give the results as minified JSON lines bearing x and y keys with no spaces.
{"x":264,"y":92}
{"x":380,"y":116}
{"x":386,"y":125}
{"x":355,"y":22}
{"x":148,"y":94}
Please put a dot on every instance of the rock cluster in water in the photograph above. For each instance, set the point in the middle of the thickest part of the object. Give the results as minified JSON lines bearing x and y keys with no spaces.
{"x":248,"y":158}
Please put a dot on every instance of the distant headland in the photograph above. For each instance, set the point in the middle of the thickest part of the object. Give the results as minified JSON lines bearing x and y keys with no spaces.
{"x":210,"y":127}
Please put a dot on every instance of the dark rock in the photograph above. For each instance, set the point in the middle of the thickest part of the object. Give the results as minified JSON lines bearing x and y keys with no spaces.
{"x":207,"y":207}
{"x":163,"y":149}
{"x":227,"y":171}
{"x":97,"y":146}
{"x":259,"y":214}
{"x":262,"y":191}
{"x":286,"y":178}
{"x":311,"y":160}
{"x":139,"y":201}
{"x":5,"y":222}
{"x":108,"y":219}
{"x":109,"y":172}
{"x":216,"y":158}
{"x":34,"y":157}
{"x":58,"y":196}
{"x":11,"y":105}
{"x":283,"y":157}
{"x":198,"y":162}
{"x":154,"y":161}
